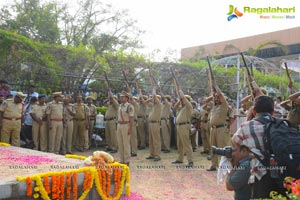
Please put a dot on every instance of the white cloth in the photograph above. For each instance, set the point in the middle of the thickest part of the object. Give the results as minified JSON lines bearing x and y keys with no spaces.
{"x":223,"y":169}
{"x":97,"y":138}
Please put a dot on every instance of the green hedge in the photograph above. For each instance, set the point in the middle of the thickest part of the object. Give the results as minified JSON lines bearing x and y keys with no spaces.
{"x":101,"y":110}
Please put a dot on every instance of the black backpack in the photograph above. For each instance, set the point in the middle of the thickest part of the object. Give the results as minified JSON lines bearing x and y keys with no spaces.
{"x":282,"y":149}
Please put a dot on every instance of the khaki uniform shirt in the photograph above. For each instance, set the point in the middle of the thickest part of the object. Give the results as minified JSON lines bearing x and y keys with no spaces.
{"x":219,"y":114}
{"x":82,"y":111}
{"x":195,"y":116}
{"x":11,"y":110}
{"x":294,"y":113}
{"x":39,"y":111}
{"x":125,"y":111}
{"x":136,"y":107}
{"x":166,"y":110}
{"x":93,"y":111}
{"x":142,"y":110}
{"x":155,"y":112}
{"x":112,"y":109}
{"x":204,"y":118}
{"x":185,"y":113}
{"x":55,"y":110}
{"x":67,"y":114}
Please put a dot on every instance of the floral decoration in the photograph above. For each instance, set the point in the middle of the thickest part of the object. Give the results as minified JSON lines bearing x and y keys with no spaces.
{"x":64,"y":184}
{"x":293,"y":190}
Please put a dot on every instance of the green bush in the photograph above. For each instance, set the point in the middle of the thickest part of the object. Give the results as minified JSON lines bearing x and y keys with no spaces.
{"x":101,"y":109}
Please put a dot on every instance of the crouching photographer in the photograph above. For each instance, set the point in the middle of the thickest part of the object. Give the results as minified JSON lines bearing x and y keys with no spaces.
{"x":237,"y":179}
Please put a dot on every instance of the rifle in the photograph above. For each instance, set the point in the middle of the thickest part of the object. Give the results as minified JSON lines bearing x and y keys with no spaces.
{"x":248,"y":73}
{"x":246,"y":66}
{"x":210,"y":90}
{"x":175,"y":82}
{"x":107,"y":81}
{"x":251,"y":68}
{"x":290,"y":85}
{"x":155,"y":82}
{"x":126,"y":80}
{"x":212,"y":78}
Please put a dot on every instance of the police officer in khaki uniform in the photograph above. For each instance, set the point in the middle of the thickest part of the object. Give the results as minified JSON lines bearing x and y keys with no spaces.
{"x":81,"y":123}
{"x":165,"y":123}
{"x":54,"y":113}
{"x":154,"y":127}
{"x":292,"y":104}
{"x":110,"y":123}
{"x":141,"y":119}
{"x":183,"y":126}
{"x":39,"y":124}
{"x":219,"y":134}
{"x":194,"y":120}
{"x":133,"y":136}
{"x":124,"y":128}
{"x":93,"y":114}
{"x":69,"y":113}
{"x":205,"y":131}
{"x":11,"y":111}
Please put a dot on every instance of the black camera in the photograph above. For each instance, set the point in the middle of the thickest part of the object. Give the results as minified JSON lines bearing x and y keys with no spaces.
{"x":226,"y":151}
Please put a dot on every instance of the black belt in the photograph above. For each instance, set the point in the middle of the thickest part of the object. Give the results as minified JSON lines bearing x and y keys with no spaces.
{"x":219,"y":126}
{"x":109,"y":119}
{"x":164,"y":118}
{"x":182,"y":123}
{"x":140,"y":117}
{"x":154,"y":121}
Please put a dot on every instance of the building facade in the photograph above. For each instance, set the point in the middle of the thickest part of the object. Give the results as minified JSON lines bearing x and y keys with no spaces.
{"x":290,"y":38}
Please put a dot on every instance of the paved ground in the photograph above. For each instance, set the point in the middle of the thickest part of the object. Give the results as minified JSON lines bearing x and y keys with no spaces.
{"x":163,"y":180}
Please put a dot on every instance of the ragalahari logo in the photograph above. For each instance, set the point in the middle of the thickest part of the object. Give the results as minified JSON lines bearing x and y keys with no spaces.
{"x":233,"y":13}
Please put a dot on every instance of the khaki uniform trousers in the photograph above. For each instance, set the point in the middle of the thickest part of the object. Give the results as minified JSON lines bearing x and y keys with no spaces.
{"x":133,"y":138}
{"x":193,"y":137}
{"x":154,"y":139}
{"x":184,"y":143}
{"x":67,"y":137}
{"x":123,"y":142}
{"x":147,"y":132}
{"x":39,"y":135}
{"x":88,"y":138}
{"x":11,"y":130}
{"x":55,"y":136}
{"x":205,"y":137}
{"x":165,"y":134}
{"x":220,"y":138}
{"x":111,"y":134}
{"x":80,"y":131}
{"x":141,"y":132}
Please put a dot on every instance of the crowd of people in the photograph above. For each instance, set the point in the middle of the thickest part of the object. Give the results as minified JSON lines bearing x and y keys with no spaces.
{"x":155,"y":121}
{"x":55,"y":126}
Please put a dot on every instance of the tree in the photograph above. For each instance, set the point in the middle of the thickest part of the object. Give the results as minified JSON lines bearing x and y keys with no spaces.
{"x":33,"y":20}
{"x":98,"y":24}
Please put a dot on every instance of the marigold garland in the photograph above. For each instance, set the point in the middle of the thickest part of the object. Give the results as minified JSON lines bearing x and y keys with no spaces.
{"x":75,"y":156}
{"x":101,"y":178}
{"x":68,"y":193}
{"x":46,"y":184}
{"x":54,"y":187}
{"x":29,"y":187}
{"x":62,"y":186}
{"x":74,"y":186}
{"x":4,"y":144}
{"x":36,"y":195}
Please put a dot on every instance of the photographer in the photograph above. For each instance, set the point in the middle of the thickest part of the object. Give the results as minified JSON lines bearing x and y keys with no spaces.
{"x":251,"y":135}
{"x":237,"y":179}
